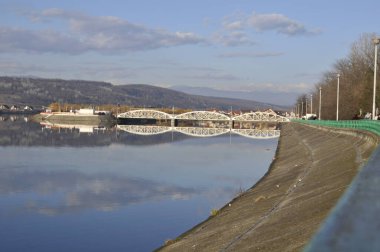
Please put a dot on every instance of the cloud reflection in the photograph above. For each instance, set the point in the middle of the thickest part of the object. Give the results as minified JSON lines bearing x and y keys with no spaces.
{"x":71,"y":191}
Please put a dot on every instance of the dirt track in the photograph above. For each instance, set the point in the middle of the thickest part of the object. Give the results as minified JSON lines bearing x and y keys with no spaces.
{"x":311,"y":170}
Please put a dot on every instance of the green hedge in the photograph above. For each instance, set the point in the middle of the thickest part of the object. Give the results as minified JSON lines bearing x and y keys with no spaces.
{"x":369,"y":125}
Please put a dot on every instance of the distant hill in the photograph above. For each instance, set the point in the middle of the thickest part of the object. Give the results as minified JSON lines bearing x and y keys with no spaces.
{"x":42,"y":92}
{"x":274,"y":97}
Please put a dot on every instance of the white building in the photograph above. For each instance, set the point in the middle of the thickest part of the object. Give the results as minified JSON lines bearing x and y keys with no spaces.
{"x":86,"y":111}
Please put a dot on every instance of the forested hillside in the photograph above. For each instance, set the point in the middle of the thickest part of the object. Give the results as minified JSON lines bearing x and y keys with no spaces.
{"x":42,"y":92}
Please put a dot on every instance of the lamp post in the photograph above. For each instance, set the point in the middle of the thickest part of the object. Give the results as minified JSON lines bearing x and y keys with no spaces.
{"x":306,"y":108}
{"x":376,"y":41}
{"x":298,"y":109}
{"x":320,"y":102}
{"x":311,"y":104}
{"x":337,"y":99}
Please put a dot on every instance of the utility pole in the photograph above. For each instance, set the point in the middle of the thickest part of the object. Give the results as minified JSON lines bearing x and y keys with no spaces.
{"x":337,"y":99}
{"x":376,"y":41}
{"x":320,"y":102}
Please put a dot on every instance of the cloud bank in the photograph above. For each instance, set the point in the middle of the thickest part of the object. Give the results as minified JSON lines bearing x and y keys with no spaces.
{"x":84,"y":33}
{"x":79,"y":191}
{"x":280,"y":24}
{"x":236,"y":28}
{"x":78,"y":33}
{"x":249,"y":55}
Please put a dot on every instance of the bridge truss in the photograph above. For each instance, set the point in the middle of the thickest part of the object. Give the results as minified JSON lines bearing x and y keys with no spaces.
{"x":145,"y":114}
{"x":203,"y":116}
{"x":260,"y":117}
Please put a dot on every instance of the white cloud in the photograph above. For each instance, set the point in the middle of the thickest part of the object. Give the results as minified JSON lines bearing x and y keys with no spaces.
{"x":218,"y":76}
{"x":112,"y":72}
{"x":267,"y":22}
{"x":235,"y":38}
{"x":82,"y":191}
{"x":250,"y":54}
{"x":84,"y":33}
{"x":235,"y":25}
{"x":235,"y":21}
{"x":17,"y":39}
{"x":279,"y":23}
{"x":285,"y":88}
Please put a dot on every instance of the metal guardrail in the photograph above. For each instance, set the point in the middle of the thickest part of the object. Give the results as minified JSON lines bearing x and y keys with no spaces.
{"x":368,"y":125}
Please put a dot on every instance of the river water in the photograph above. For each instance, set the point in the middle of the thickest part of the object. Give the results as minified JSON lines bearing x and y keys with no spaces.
{"x":91,"y":189}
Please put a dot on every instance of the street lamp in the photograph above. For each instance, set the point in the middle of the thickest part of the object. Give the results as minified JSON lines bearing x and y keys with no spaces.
{"x":311,"y":104}
{"x":306,"y":108}
{"x":376,"y":41}
{"x":320,"y":102}
{"x":298,"y":109}
{"x":337,"y":99}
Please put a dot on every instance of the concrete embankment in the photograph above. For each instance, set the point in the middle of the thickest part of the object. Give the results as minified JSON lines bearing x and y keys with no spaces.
{"x":311,"y":170}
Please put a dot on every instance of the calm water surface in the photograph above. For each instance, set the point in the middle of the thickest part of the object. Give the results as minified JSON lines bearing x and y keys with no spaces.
{"x":109,"y":190}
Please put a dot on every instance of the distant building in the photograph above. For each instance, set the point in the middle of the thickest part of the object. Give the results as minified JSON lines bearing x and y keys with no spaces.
{"x":28,"y":108}
{"x":15,"y":108}
{"x":86,"y":111}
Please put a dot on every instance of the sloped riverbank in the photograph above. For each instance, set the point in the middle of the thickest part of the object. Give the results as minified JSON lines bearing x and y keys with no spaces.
{"x":310,"y":172}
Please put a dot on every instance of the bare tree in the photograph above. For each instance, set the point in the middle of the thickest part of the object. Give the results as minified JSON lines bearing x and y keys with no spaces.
{"x":356,"y":82}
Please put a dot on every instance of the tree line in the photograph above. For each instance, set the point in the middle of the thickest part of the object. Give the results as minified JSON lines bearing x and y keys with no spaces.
{"x":115,"y":109}
{"x":356,"y":77}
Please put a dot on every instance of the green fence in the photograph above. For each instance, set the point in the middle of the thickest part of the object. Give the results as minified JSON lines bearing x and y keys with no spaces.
{"x":369,"y":125}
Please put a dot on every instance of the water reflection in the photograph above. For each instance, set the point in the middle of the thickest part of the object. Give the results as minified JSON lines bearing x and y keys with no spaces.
{"x":149,"y":130}
{"x":81,"y":128}
{"x":74,"y":181}
{"x":76,"y":191}
{"x":21,"y":131}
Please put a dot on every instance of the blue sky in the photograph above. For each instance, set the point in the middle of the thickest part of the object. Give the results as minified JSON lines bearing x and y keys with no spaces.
{"x":276,"y":46}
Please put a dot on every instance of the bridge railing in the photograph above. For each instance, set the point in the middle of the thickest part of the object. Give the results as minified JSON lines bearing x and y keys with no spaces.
{"x":368,"y":125}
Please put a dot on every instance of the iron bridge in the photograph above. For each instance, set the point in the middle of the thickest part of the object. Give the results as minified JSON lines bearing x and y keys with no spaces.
{"x":203,"y":116}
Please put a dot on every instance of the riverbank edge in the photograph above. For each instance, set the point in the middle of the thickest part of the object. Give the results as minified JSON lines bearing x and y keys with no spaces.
{"x":365,"y":135}
{"x":77,"y":119}
{"x":227,"y":205}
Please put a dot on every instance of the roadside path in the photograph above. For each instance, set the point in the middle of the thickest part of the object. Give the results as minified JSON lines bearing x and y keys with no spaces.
{"x":311,"y":170}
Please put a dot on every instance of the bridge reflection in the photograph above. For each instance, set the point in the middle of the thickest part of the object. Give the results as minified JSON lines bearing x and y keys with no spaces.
{"x":147,"y":130}
{"x":255,"y":131}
